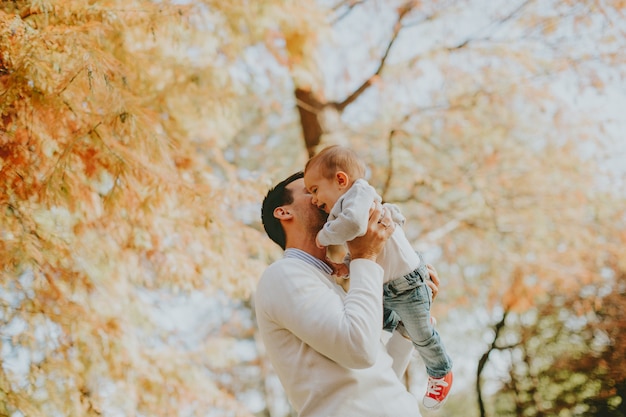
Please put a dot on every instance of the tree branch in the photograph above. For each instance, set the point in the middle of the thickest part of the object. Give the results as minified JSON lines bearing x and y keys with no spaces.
{"x":500,"y":22}
{"x":483,"y":361}
{"x":402,"y":13}
{"x":27,"y":11}
{"x":308,"y":108}
{"x":387,"y":183}
{"x":350,"y":4}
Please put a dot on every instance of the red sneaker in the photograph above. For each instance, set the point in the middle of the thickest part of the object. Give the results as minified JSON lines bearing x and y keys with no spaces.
{"x":437,"y":391}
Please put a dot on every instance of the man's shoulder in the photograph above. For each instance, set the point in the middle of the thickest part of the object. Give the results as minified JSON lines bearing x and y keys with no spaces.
{"x":289,"y":262}
{"x":285,"y":278}
{"x":272,"y":282}
{"x":283,"y":268}
{"x":275,"y":268}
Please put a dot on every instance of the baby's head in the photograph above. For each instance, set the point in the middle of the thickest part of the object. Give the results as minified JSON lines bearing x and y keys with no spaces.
{"x":330,"y":173}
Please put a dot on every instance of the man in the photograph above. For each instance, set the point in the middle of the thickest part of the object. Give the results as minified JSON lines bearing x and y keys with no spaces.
{"x":327,"y":345}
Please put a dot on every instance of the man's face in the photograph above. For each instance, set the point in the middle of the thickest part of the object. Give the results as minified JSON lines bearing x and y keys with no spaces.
{"x":312,"y":217}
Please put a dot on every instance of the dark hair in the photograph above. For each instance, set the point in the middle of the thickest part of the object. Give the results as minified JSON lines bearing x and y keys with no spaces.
{"x":276,"y":197}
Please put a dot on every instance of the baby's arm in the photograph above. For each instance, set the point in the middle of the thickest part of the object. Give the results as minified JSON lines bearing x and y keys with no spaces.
{"x":349,"y":217}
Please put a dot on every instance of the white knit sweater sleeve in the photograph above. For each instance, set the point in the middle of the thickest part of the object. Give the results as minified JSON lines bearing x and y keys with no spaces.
{"x":345,"y":329}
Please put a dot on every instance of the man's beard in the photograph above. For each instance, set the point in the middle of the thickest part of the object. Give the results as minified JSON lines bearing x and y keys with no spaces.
{"x":318,"y":219}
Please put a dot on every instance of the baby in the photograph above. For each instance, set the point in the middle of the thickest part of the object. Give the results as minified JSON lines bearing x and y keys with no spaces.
{"x":335,"y":179}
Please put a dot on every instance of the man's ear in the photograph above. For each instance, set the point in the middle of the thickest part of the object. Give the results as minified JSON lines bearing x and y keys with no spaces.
{"x":343,"y":180}
{"x":281,"y":213}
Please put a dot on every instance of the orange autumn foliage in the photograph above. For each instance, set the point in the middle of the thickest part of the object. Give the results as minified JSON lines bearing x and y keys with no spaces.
{"x":115,"y":196}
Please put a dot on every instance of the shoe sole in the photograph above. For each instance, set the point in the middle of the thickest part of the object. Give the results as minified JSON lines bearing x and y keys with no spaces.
{"x":437,"y":407}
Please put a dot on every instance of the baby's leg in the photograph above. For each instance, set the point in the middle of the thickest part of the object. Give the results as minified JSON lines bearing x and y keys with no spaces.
{"x":413,"y":307}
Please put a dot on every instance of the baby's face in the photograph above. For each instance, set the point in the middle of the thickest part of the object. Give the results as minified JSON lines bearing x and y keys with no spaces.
{"x":325,"y":192}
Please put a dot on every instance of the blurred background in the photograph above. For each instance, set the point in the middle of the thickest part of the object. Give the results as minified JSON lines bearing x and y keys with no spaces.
{"x":138,"y":138}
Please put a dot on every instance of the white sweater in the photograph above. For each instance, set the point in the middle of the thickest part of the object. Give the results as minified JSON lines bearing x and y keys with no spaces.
{"x":326,"y":345}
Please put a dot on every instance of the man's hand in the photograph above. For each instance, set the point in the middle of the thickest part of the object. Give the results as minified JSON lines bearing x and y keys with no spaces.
{"x":379,"y":228}
{"x":434,"y":280}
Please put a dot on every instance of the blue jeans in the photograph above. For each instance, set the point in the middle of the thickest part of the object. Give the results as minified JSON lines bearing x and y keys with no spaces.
{"x":408,"y":299}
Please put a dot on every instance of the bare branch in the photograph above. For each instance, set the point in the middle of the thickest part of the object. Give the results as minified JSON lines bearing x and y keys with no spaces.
{"x":350,"y":4}
{"x":506,"y":18}
{"x":390,"y":164}
{"x":402,"y":13}
{"x":483,"y":361}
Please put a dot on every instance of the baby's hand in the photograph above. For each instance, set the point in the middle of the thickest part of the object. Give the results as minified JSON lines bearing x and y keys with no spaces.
{"x":341,"y":273}
{"x":340,"y":270}
{"x":344,"y":282}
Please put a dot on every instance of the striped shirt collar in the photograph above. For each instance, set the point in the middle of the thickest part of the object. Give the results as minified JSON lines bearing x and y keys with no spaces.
{"x":308,"y":258}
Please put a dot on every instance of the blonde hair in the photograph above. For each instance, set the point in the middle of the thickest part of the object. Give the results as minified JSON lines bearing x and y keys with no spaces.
{"x":337,"y":158}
